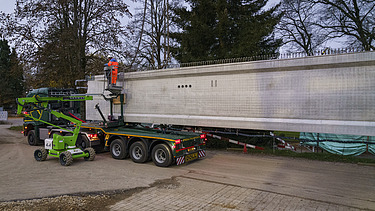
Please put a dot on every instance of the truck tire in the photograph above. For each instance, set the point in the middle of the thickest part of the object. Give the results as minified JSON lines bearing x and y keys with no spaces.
{"x":91,"y":152}
{"x":40,"y":154}
{"x":138,"y":152}
{"x":161,"y":155}
{"x":118,"y":149}
{"x":31,"y":138}
{"x":83,"y":142}
{"x":66,"y":158}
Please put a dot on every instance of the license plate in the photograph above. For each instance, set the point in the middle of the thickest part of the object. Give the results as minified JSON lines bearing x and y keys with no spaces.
{"x":191,"y":157}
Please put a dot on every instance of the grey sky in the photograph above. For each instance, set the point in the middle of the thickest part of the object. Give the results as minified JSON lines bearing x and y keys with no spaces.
{"x":8,"y":6}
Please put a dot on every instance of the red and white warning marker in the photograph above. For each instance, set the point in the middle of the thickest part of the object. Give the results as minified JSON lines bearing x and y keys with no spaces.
{"x":229,"y":140}
{"x":180,"y":160}
{"x":234,"y":141}
{"x":284,"y":144}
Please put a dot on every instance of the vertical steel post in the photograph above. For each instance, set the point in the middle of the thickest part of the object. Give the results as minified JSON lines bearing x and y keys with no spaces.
{"x":111,"y":108}
{"x":122,"y":106}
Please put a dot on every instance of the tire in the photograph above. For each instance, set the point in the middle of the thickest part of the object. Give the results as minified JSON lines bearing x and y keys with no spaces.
{"x":91,"y":152}
{"x":161,"y":155}
{"x":31,"y":138}
{"x":83,"y":143}
{"x":40,"y":154}
{"x":118,"y":149}
{"x":66,"y":158}
{"x":138,"y":152}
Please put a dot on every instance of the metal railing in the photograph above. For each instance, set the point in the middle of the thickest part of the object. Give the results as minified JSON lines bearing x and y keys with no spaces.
{"x":321,"y":52}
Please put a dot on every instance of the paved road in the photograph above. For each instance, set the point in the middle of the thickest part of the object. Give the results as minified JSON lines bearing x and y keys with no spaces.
{"x":223,"y":181}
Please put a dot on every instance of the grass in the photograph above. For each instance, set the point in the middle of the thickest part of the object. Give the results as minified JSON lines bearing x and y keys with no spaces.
{"x":267,"y":144}
{"x":328,"y":157}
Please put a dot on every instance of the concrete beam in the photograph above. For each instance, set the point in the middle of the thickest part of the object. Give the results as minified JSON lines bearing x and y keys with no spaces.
{"x":324,"y":94}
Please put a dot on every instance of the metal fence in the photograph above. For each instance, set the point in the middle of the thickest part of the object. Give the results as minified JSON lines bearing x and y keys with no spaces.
{"x":289,"y":55}
{"x":3,"y":115}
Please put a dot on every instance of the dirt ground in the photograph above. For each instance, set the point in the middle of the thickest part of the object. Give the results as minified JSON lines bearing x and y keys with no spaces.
{"x":100,"y":184}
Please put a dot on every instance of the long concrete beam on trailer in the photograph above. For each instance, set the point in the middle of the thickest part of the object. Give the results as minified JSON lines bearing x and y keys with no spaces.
{"x":323,"y":94}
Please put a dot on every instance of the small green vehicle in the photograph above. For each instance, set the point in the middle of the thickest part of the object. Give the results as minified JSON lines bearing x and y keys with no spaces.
{"x":62,"y":147}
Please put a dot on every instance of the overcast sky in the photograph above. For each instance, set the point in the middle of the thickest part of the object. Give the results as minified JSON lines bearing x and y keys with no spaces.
{"x":8,"y":6}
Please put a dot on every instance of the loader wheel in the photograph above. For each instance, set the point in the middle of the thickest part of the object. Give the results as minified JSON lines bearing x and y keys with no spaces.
{"x":31,"y":139}
{"x":40,"y":154}
{"x":118,"y":149}
{"x":138,"y":152}
{"x":66,"y":158}
{"x":91,"y":152}
{"x":161,"y":155}
{"x":83,"y":142}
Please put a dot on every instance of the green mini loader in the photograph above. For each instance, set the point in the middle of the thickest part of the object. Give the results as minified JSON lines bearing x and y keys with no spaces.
{"x":62,"y":147}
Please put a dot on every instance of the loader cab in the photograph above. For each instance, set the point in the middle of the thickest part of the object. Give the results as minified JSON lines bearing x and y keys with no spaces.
{"x":37,"y":131}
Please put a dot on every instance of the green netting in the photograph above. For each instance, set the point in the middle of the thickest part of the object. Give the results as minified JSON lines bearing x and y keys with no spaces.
{"x":371,"y":148}
{"x":340,"y":147}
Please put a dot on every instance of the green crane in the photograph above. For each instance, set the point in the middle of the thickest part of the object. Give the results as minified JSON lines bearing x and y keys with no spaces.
{"x":62,"y":147}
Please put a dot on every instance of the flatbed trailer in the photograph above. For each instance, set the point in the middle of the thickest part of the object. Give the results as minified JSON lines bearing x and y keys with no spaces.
{"x":164,"y":147}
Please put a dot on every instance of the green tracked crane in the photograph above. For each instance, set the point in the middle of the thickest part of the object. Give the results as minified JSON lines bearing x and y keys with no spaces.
{"x":62,"y":147}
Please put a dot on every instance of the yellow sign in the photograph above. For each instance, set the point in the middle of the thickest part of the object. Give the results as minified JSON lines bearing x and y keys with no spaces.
{"x":191,"y":157}
{"x":117,"y":100}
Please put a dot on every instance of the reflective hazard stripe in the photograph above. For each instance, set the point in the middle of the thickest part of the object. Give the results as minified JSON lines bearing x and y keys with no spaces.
{"x":180,"y":160}
{"x":202,"y":154}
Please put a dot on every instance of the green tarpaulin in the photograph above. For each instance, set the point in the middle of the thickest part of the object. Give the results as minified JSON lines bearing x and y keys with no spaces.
{"x":365,"y":143}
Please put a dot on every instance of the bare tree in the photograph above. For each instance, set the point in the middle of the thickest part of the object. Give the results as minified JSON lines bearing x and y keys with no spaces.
{"x":298,"y":26}
{"x":151,"y":35}
{"x":59,"y":37}
{"x":353,"y":19}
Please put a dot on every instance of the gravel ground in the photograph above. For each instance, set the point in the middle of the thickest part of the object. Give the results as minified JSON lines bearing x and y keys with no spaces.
{"x":91,"y":202}
{"x":85,"y":201}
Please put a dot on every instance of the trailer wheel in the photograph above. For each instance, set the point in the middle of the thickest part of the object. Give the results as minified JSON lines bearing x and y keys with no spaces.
{"x":138,"y":152}
{"x":31,"y":139}
{"x":161,"y":155}
{"x":91,"y":152}
{"x":40,"y":154}
{"x":66,"y":158}
{"x":118,"y":149}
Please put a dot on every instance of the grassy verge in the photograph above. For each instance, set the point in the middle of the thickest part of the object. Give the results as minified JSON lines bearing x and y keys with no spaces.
{"x":314,"y":156}
{"x":265,"y":143}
